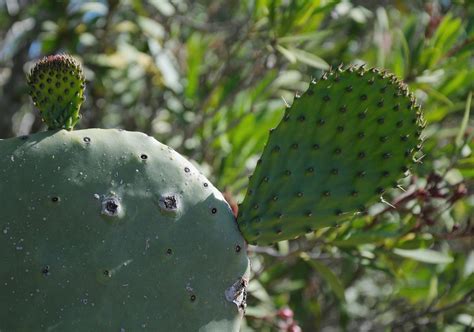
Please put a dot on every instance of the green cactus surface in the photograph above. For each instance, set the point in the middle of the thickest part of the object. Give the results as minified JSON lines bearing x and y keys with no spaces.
{"x":57,"y":88}
{"x":349,"y":137}
{"x":109,"y":230}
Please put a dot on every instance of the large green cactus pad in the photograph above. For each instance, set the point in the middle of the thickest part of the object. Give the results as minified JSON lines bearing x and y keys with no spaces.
{"x":340,"y":145}
{"x":108,"y":230}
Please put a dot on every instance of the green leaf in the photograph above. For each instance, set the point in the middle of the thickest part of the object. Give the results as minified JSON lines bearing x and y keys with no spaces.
{"x":465,"y":119}
{"x":312,"y":36}
{"x":328,"y":275}
{"x":294,"y":54}
{"x":424,"y":255}
{"x":309,"y":59}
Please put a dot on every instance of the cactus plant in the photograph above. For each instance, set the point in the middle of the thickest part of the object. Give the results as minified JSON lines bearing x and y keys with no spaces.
{"x":106,"y":229}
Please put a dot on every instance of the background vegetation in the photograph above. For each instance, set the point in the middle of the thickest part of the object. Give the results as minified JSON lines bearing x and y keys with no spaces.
{"x":211,"y":77}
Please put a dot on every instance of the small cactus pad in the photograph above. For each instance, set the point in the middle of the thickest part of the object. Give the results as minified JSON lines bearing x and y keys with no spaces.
{"x":57,"y":88}
{"x":349,"y":137}
{"x":109,"y":230}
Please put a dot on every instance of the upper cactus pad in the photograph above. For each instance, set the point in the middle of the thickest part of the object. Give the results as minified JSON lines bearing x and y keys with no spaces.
{"x":57,"y":88}
{"x":340,"y":145}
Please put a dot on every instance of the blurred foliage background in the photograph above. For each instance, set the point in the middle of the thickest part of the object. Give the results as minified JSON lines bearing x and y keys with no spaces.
{"x":211,"y":77}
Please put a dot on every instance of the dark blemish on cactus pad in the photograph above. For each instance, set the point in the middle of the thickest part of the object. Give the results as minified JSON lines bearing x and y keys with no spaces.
{"x":55,"y":199}
{"x":187,"y":170}
{"x":309,"y":214}
{"x":238,"y":248}
{"x":343,"y":109}
{"x":237,"y":293}
{"x":386,"y":155}
{"x":45,"y":271}
{"x":143,"y":157}
{"x":301,"y":118}
{"x":111,"y":206}
{"x":361,"y":155}
{"x":87,"y":139}
{"x":396,"y":107}
{"x":380,"y":103}
{"x":380,"y":120}
{"x":360,"y":134}
{"x":326,"y":193}
{"x":206,"y":184}
{"x":168,"y":203}
{"x":321,"y":122}
{"x":383,"y":138}
{"x":348,"y":88}
{"x":399,"y":124}
{"x":107,"y":273}
{"x":214,"y":210}
{"x":363,"y":97}
{"x":169,"y":251}
{"x":326,"y":98}
{"x":192,"y":298}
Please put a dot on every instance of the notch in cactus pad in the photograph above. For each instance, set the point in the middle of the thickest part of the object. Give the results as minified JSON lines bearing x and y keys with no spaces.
{"x":349,"y":137}
{"x":57,"y":88}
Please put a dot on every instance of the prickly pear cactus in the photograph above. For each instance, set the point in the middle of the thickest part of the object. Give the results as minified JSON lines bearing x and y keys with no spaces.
{"x":340,"y":145}
{"x":108,"y":230}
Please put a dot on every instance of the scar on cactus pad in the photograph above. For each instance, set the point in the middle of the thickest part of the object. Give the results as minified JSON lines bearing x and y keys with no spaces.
{"x":111,"y":230}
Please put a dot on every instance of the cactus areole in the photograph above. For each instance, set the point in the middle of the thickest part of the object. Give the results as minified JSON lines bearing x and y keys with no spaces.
{"x":109,"y":230}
